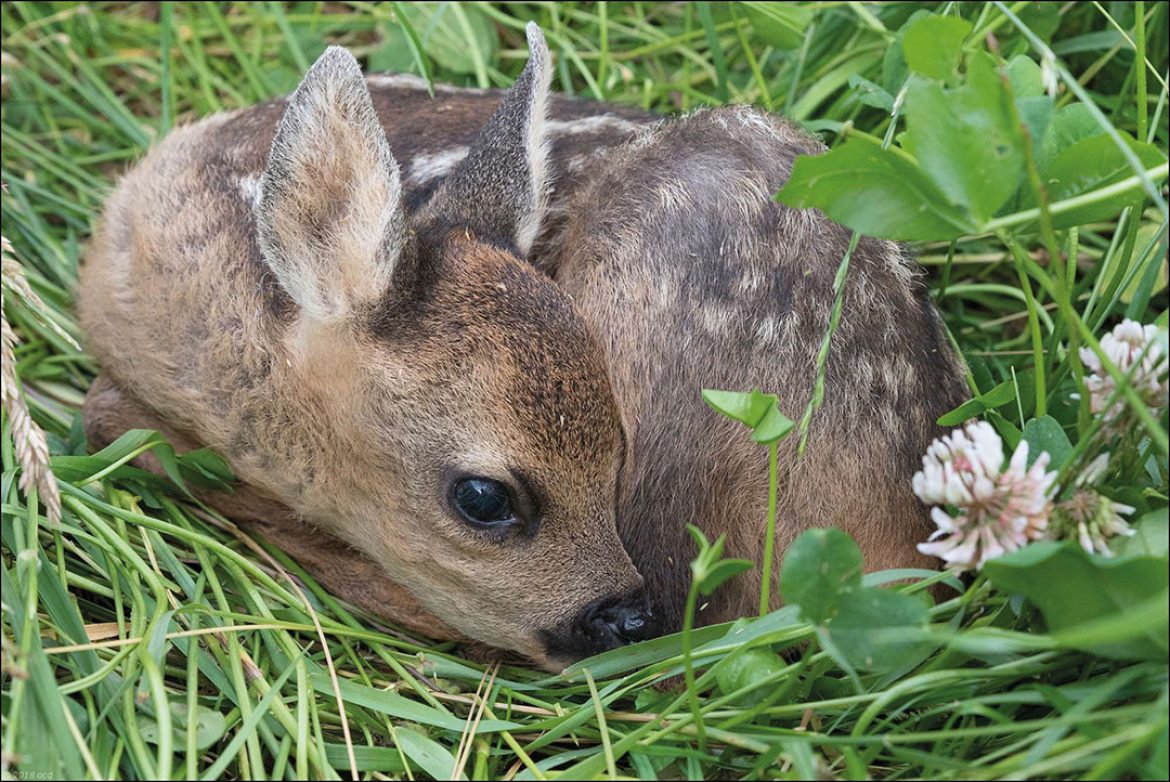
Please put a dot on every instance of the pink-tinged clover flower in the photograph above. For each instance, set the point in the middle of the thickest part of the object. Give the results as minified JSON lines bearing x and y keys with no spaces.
{"x":1137,"y":354}
{"x":998,"y":510}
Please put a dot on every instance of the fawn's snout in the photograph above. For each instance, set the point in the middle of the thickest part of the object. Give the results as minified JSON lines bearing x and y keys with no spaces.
{"x":604,"y":624}
{"x":615,"y":625}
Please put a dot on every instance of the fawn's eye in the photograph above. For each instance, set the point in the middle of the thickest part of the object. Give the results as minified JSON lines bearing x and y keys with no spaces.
{"x":483,"y":502}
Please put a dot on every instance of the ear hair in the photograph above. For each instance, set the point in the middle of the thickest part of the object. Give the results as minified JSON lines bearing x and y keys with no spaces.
{"x":330,"y":220}
{"x":501,"y":187}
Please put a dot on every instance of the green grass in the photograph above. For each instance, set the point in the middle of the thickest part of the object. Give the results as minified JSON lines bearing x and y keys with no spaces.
{"x":141,"y":610}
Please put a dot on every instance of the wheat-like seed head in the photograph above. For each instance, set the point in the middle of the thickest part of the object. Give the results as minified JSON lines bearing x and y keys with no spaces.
{"x":32,"y":449}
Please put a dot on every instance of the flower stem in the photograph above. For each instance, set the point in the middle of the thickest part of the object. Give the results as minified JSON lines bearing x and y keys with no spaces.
{"x":1038,"y":360}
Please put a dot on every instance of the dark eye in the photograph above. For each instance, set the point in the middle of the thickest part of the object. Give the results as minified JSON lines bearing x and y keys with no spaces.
{"x":482,"y":502}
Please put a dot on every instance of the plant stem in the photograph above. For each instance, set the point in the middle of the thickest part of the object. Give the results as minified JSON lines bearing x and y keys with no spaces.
{"x":1038,"y":360}
{"x":1139,"y":64}
{"x":689,"y":666}
{"x":1155,"y":174}
{"x":770,"y":539}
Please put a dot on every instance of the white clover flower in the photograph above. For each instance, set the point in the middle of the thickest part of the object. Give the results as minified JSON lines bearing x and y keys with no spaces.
{"x":998,"y":510}
{"x":1088,"y":516}
{"x":1137,"y":354}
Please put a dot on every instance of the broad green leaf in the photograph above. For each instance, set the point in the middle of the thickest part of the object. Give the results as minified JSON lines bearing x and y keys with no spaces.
{"x":933,"y":45}
{"x":819,"y":568}
{"x":942,"y":125}
{"x":894,"y":67}
{"x":401,"y":48}
{"x":1072,"y":588}
{"x":1041,"y":17}
{"x":779,"y":24}
{"x":1069,"y":125}
{"x":774,"y":426}
{"x":444,"y":38}
{"x":870,"y":629}
{"x":972,"y":408}
{"x":871,"y":94}
{"x":210,"y":725}
{"x":393,"y":55}
{"x":874,"y":191}
{"x":742,"y":668}
{"x":1010,"y":433}
{"x":1156,"y":276}
{"x":1151,"y":536}
{"x":1035,"y":113}
{"x":699,"y":538}
{"x":1025,"y":77}
{"x":999,"y":396}
{"x":1088,"y":165}
{"x":754,"y":409}
{"x":747,"y":408}
{"x":1044,"y":434}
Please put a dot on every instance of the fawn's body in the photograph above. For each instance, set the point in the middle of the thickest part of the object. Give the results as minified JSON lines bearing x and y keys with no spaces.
{"x":666,"y":250}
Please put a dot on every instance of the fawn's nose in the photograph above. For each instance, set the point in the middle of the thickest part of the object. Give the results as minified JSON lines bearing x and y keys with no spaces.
{"x":602,"y":625}
{"x":608,"y":625}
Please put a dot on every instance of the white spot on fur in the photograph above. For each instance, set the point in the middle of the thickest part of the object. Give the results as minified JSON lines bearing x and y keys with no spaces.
{"x":768,"y":329}
{"x":250,"y":191}
{"x":426,"y":167}
{"x":716,"y":318}
{"x":408,"y":81}
{"x":666,"y":292}
{"x":594,"y":124}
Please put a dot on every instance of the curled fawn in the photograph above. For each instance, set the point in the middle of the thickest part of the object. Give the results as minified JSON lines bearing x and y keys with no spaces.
{"x":453,"y":347}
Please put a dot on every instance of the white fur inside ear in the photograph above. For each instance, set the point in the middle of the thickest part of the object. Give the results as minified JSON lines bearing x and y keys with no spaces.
{"x":330,"y":220}
{"x":537,"y":139}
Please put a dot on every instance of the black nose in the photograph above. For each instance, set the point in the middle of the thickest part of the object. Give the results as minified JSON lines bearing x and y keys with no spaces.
{"x":615,"y":624}
{"x":602,"y":625}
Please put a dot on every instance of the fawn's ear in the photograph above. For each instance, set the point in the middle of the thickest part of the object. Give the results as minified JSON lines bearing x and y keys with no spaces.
{"x":500,"y":187}
{"x":330,"y":220}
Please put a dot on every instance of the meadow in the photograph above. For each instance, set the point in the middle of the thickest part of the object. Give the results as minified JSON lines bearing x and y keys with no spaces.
{"x":1018,"y":147}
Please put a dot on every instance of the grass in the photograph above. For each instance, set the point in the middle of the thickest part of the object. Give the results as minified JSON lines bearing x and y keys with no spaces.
{"x":147,"y":637}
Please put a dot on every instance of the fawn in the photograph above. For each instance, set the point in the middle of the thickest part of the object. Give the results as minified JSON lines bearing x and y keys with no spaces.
{"x":453,"y":348}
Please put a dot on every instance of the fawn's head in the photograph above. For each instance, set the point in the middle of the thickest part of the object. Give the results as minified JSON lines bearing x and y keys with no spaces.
{"x":469,"y":439}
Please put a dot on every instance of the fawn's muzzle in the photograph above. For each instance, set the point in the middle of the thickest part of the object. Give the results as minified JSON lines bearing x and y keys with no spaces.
{"x":603,"y":624}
